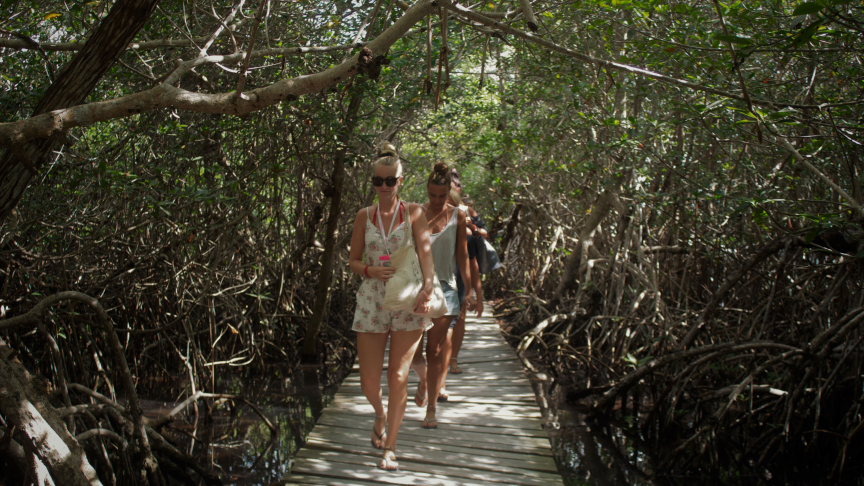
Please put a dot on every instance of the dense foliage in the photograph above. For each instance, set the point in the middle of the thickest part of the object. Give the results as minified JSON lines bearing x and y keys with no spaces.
{"x":674,"y":188}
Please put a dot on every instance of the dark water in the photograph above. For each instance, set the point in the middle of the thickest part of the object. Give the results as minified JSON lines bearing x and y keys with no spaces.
{"x":586,"y":453}
{"x":232,"y":439}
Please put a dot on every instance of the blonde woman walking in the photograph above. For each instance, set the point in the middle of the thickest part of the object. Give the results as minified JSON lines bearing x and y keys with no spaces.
{"x":378,"y":231}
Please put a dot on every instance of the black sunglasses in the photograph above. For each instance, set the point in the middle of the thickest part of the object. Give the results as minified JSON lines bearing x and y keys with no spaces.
{"x":379,"y":181}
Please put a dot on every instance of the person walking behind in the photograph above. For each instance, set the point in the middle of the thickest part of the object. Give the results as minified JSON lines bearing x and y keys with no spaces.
{"x":474,"y":232}
{"x":374,"y":324}
{"x":449,"y":250}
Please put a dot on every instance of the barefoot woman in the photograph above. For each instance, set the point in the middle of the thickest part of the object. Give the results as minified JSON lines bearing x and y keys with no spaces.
{"x":379,"y":230}
{"x":447,"y":228}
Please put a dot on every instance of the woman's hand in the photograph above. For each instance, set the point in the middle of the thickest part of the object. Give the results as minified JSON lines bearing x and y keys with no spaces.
{"x":421,"y":306}
{"x":381,"y":273}
{"x":469,"y":303}
{"x":478,"y":305}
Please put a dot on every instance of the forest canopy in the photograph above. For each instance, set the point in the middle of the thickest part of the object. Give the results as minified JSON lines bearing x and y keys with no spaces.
{"x":674,"y":189}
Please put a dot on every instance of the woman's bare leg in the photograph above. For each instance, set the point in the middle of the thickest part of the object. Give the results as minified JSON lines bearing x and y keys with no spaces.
{"x":403,"y":344}
{"x":418,"y":364}
{"x":437,"y":355}
{"x":458,"y":335}
{"x":453,"y":335}
{"x":370,"y":353}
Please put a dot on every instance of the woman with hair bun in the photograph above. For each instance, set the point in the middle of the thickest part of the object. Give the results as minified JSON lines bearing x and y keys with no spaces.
{"x":449,"y":252}
{"x":371,"y":246}
{"x":456,"y":335}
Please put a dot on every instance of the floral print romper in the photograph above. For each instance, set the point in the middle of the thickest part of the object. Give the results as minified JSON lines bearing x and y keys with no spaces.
{"x":370,"y":316}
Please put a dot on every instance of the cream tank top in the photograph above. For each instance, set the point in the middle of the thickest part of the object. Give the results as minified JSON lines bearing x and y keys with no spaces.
{"x":444,"y":251}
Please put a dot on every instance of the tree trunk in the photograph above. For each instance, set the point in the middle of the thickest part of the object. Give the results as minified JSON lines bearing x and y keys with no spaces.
{"x":72,"y":86}
{"x":574,"y":260}
{"x":42,"y":430}
{"x":322,"y":291}
{"x":509,"y":232}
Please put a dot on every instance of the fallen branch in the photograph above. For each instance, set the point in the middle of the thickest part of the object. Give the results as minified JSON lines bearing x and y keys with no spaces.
{"x":168,"y":417}
{"x":120,"y":441}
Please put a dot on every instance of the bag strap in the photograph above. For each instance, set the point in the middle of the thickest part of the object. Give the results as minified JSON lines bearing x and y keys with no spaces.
{"x":409,"y":233}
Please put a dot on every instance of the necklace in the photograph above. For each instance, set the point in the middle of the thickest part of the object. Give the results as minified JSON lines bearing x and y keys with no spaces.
{"x":434,"y":218}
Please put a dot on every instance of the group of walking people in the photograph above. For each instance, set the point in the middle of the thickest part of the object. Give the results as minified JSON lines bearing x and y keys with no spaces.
{"x":440,"y":229}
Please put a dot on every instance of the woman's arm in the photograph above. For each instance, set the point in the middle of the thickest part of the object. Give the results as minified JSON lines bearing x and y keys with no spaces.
{"x":358,"y":246}
{"x":420,"y":229}
{"x":462,"y":256}
{"x":478,"y":286}
{"x":479,"y":225}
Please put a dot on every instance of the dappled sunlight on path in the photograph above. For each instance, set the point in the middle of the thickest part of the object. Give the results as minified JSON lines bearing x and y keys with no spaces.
{"x":490,"y":431}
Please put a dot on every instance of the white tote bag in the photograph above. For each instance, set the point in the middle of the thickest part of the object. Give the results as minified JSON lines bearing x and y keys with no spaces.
{"x":406,"y":284}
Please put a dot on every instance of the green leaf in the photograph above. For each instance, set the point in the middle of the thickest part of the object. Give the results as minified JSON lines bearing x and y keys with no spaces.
{"x":804,"y":36}
{"x":797,"y":20}
{"x":781,"y":114}
{"x":747,"y":51}
{"x":808,"y":8}
{"x":715,"y":104}
{"x":734,"y":39}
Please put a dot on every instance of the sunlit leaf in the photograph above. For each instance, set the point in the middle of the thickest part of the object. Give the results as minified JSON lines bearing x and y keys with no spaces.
{"x":734,"y":39}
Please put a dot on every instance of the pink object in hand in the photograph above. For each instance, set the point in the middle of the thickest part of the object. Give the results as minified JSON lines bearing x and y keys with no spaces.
{"x":384,"y":261}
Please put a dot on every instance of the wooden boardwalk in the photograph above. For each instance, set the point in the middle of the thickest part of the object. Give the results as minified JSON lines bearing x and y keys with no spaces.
{"x":488,"y":433}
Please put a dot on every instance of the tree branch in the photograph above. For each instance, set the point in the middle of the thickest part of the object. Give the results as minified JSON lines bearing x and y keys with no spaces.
{"x":167,"y":96}
{"x":477,"y":17}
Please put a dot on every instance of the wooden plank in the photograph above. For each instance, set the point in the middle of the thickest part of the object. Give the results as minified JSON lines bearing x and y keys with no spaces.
{"x":528,"y":445}
{"x":477,"y":378}
{"x":477,"y":411}
{"x":454,"y":388}
{"x":415,"y":415}
{"x":408,"y":474}
{"x":457,"y":399}
{"x":486,"y":366}
{"x":489,"y":432}
{"x":373,"y":477}
{"x":349,"y":421}
{"x":510,"y":476}
{"x":450,"y":452}
{"x":433,"y":459}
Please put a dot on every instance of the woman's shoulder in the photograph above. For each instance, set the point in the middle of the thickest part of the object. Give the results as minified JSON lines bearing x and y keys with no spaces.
{"x":362,"y":214}
{"x":415,"y":208}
